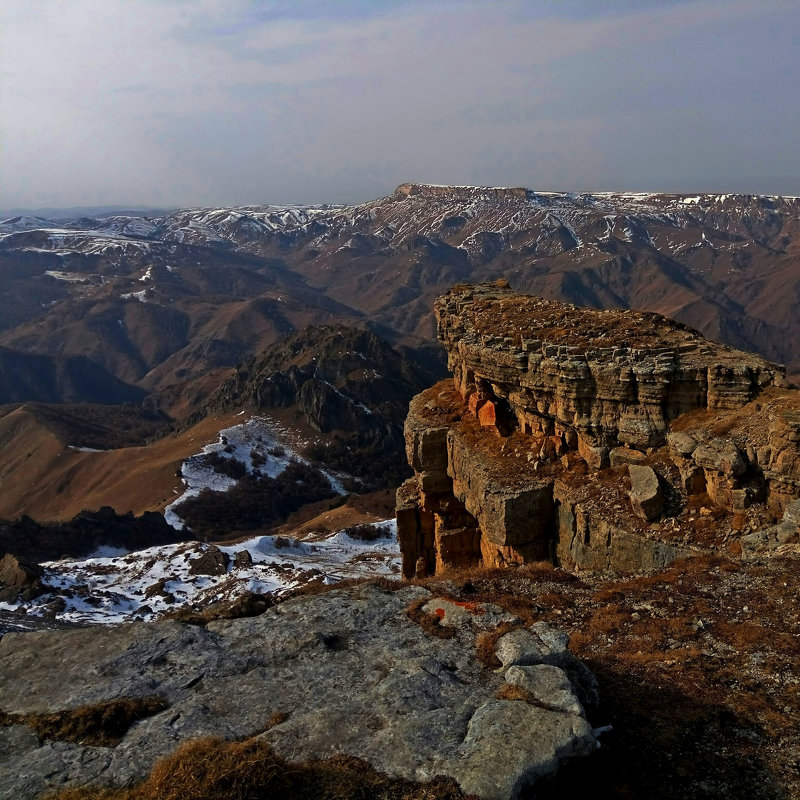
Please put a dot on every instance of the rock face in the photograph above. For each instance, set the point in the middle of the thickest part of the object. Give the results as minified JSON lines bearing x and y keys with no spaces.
{"x":342,"y":381}
{"x":19,"y":578}
{"x":598,"y":378}
{"x":550,"y":400}
{"x":349,"y":671}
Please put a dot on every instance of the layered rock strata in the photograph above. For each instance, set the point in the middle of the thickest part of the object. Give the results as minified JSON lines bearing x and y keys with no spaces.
{"x":596,"y":378}
{"x":551,"y":403}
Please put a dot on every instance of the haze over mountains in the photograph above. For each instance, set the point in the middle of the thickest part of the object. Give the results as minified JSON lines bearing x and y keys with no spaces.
{"x":245,"y":373}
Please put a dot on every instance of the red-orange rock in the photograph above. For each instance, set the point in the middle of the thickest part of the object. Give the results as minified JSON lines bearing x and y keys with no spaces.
{"x":474,"y":403}
{"x":487,"y":415}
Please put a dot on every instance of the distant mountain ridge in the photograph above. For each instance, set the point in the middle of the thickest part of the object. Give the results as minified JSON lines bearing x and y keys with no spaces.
{"x":175,"y":295}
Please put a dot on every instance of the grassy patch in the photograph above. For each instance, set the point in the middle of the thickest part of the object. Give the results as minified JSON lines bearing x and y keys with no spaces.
{"x":486,"y":643}
{"x":97,"y":725}
{"x":213,"y":769}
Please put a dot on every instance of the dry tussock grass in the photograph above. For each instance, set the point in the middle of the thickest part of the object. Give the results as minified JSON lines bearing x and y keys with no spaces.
{"x":214,"y":769}
{"x":97,"y":725}
{"x":487,"y":641}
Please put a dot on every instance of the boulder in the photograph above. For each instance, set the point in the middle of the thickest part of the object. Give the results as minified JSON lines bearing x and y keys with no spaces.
{"x":19,"y":579}
{"x":647,"y":496}
{"x":625,"y":455}
{"x":720,"y":455}
{"x":17,"y":572}
{"x":213,"y":562}
{"x":681,"y":443}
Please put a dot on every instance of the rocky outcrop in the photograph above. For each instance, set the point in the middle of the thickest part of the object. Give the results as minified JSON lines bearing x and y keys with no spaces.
{"x":347,"y":384}
{"x":588,"y":438}
{"x":19,"y":579}
{"x":597,"y":379}
{"x":350,"y":671}
{"x":339,"y":378}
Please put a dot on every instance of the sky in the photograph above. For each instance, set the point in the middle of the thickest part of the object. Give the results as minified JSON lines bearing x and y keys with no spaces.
{"x":227,"y":102}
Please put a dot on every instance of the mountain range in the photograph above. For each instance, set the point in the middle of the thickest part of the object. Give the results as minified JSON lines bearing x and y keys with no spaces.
{"x":177,"y":314}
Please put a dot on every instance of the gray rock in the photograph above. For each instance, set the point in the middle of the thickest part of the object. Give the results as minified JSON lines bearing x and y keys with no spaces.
{"x":791,"y":514}
{"x":549,"y":685}
{"x":541,"y":644}
{"x":721,"y":455}
{"x":787,"y":533}
{"x":647,"y":496}
{"x":681,"y":443}
{"x":520,"y":647}
{"x":759,"y":540}
{"x":353,"y":672}
{"x":510,"y":745}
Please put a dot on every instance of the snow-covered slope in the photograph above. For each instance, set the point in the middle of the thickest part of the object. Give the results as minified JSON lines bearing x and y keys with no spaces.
{"x":146,"y":584}
{"x":260,"y":443}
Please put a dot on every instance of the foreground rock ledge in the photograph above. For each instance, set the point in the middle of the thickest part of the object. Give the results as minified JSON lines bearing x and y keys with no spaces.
{"x":350,"y":668}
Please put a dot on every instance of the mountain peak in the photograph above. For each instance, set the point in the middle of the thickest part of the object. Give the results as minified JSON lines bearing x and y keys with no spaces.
{"x":440,"y":190}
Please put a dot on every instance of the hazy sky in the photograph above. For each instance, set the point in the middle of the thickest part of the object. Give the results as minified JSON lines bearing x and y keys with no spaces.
{"x":201,"y":102}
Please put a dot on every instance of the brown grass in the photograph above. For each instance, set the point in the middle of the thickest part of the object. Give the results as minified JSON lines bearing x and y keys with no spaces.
{"x":487,"y":641}
{"x":66,"y":481}
{"x":213,"y":769}
{"x":97,"y":725}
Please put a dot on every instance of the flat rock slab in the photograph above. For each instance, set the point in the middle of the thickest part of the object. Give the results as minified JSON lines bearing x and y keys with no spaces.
{"x":352,"y":672}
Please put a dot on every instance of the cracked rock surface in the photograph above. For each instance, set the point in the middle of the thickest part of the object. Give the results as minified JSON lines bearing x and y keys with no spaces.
{"x":349,"y":670}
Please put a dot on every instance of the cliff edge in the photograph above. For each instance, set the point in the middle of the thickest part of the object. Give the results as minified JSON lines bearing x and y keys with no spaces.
{"x":605,"y":440}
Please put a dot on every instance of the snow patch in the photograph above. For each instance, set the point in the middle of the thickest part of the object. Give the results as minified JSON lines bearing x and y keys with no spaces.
{"x":113,"y":587}
{"x":270,"y":442}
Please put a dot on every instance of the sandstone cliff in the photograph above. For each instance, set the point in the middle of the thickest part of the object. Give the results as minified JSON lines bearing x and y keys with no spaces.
{"x":596,"y":439}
